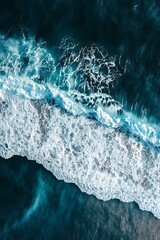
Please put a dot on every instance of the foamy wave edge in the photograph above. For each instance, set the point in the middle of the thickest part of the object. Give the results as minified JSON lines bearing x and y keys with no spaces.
{"x":99,"y":160}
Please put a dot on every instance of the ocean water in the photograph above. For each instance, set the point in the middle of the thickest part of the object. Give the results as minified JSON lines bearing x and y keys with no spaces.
{"x":79,"y":94}
{"x":35,"y":205}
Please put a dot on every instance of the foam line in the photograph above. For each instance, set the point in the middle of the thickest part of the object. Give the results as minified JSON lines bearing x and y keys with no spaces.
{"x":96,"y":155}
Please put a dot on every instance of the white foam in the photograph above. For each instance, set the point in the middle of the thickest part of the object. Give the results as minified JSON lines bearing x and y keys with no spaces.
{"x":101,"y":161}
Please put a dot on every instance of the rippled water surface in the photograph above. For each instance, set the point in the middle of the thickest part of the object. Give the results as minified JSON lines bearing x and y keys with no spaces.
{"x":34,"y":205}
{"x":79,"y":95}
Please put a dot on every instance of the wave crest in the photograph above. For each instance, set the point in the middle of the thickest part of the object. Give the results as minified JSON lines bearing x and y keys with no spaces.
{"x":118,"y":159}
{"x":100,"y":160}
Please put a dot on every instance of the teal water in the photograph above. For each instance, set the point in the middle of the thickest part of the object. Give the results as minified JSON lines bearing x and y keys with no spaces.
{"x":79,"y":94}
{"x":35,"y":205}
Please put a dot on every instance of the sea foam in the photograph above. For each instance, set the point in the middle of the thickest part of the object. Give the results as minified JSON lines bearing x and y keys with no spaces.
{"x":44,"y":110}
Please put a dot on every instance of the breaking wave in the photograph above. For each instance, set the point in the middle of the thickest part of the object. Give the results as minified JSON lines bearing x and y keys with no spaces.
{"x":48,"y":107}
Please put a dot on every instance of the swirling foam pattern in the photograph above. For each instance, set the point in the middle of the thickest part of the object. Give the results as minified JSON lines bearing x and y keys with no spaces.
{"x":116,"y":159}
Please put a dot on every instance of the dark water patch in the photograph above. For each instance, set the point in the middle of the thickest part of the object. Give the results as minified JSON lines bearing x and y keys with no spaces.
{"x":35,"y":205}
{"x":129,"y":29}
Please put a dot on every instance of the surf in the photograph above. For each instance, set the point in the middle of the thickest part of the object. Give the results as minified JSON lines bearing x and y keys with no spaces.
{"x":59,"y":111}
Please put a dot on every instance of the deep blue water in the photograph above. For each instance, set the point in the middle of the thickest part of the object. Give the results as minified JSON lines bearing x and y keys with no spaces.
{"x":129,"y":29}
{"x":100,"y":63}
{"x":34,"y":205}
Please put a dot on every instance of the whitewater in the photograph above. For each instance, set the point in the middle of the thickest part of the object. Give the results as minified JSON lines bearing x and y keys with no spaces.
{"x":57,"y":108}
